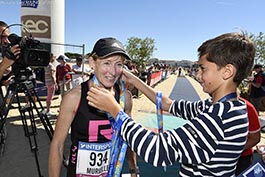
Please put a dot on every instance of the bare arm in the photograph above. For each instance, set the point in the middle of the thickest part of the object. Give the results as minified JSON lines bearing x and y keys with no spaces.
{"x":64,"y":120}
{"x":145,"y":89}
{"x":52,"y":74}
{"x":76,"y":71}
{"x":5,"y":63}
{"x":253,"y":139}
{"x":254,"y":126}
{"x":261,"y":151}
{"x":258,"y":85}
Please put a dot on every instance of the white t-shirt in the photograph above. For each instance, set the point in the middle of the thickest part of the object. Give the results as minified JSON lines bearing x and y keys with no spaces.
{"x":77,"y":78}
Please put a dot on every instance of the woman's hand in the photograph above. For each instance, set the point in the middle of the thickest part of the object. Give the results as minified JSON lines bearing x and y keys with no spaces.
{"x":103,"y":99}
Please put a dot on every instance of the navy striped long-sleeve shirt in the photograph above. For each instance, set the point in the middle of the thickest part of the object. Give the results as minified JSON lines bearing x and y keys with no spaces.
{"x":209,"y":144}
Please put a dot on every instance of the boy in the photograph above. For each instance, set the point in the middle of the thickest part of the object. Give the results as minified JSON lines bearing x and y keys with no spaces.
{"x":211,"y":142}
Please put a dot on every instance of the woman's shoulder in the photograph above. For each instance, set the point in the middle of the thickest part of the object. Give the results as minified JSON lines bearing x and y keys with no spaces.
{"x":73,"y":94}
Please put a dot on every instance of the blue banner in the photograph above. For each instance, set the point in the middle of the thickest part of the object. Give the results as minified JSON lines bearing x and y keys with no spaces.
{"x":257,"y":169}
{"x":30,"y":3}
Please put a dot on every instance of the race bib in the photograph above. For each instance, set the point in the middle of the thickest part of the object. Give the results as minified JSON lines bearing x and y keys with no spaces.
{"x":93,"y":159}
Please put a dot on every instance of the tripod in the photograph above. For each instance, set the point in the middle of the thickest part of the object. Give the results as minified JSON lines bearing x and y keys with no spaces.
{"x":26,"y":114}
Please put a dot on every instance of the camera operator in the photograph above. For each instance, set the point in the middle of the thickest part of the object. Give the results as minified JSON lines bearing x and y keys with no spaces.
{"x":5,"y":61}
{"x":14,"y":51}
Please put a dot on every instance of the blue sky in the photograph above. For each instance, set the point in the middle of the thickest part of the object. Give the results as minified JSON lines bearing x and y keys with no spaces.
{"x":177,"y":26}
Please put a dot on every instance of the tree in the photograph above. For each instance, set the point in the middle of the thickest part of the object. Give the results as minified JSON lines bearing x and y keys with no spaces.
{"x":140,"y":50}
{"x":259,"y":41}
{"x":72,"y":55}
{"x":260,"y":48}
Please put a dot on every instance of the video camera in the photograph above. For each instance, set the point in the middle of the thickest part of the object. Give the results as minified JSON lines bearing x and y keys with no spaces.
{"x":31,"y":55}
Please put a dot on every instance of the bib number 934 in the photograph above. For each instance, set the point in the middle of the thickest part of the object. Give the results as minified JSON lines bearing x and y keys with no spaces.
{"x":93,"y":159}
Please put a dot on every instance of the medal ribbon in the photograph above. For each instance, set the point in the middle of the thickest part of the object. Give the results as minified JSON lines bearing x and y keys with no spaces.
{"x":159,"y":111}
{"x":159,"y":114}
{"x":232,"y":95}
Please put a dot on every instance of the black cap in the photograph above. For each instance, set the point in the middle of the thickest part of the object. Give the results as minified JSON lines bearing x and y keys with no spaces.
{"x":256,"y":66}
{"x":79,"y":58}
{"x":61,"y":57}
{"x":105,"y":47}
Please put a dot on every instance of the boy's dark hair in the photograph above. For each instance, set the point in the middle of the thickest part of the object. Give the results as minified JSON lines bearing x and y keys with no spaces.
{"x":79,"y":58}
{"x":230,"y":48}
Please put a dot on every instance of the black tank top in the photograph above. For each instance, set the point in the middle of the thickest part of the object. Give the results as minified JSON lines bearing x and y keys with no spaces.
{"x":89,"y":125}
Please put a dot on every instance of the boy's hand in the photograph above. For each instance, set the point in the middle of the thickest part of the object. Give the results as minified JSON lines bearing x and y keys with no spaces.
{"x":127,"y":77}
{"x":103,"y":99}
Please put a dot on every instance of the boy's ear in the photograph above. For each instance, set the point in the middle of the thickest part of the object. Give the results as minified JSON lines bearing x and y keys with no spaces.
{"x":229,"y":71}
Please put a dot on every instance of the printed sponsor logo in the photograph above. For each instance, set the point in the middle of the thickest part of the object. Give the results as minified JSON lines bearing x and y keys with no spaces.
{"x":255,"y":170}
{"x":30,"y":3}
{"x":20,"y":2}
{"x":95,"y":146}
{"x":38,"y":25}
